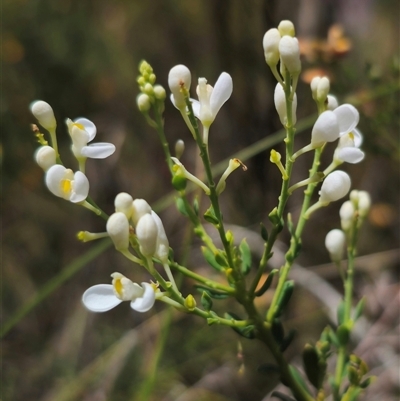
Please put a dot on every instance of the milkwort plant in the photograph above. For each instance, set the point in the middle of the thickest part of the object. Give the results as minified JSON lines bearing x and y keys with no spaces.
{"x":137,"y":232}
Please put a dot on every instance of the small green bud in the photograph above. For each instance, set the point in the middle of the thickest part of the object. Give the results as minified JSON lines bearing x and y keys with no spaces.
{"x":190,"y":302}
{"x":159,"y":92}
{"x":179,"y":148}
{"x":179,"y":182}
{"x":148,"y":89}
{"x":152,"y":78}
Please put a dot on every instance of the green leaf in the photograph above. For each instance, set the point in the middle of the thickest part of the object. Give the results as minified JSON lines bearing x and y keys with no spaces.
{"x":211,"y":292}
{"x":343,"y":334}
{"x":245,"y":253}
{"x":247,"y":332}
{"x":264,"y":232}
{"x":311,"y":365}
{"x":287,"y":292}
{"x":340,"y":312}
{"x":297,"y":376}
{"x":267,"y":283}
{"x":206,"y":301}
{"x":180,"y":205}
{"x":359,"y":309}
{"x":210,"y":259}
{"x":196,"y":206}
{"x":220,"y":258}
{"x":210,"y":217}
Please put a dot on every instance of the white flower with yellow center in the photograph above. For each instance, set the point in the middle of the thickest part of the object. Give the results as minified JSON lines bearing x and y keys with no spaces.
{"x":66,"y":184}
{"x":211,"y":99}
{"x":348,"y":149}
{"x":83,"y":131}
{"x":104,"y":297}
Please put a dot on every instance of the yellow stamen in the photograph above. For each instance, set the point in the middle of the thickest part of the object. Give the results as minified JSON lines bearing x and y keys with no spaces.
{"x":118,"y":286}
{"x":80,"y":126}
{"x":66,"y":186}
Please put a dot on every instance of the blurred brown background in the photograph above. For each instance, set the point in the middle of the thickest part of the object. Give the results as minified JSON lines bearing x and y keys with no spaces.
{"x":82,"y":58}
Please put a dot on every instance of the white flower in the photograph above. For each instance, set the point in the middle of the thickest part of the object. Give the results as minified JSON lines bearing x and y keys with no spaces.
{"x":330,"y":125}
{"x":45,"y":157}
{"x":83,"y":131}
{"x":334,"y":242}
{"x":335,"y":186}
{"x":280,"y":105}
{"x":103,"y":297}
{"x":44,"y":114}
{"x":348,"y":148}
{"x":179,"y":76}
{"x":147,"y":235}
{"x":271,"y":41}
{"x":290,"y":54}
{"x":66,"y":184}
{"x":118,"y":230}
{"x":211,"y":99}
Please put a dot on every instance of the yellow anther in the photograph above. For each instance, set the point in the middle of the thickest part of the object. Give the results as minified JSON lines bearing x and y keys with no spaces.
{"x":66,"y":186}
{"x":118,"y":286}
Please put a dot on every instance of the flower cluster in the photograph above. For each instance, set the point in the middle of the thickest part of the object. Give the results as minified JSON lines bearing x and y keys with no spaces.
{"x":134,"y":224}
{"x":61,"y":181}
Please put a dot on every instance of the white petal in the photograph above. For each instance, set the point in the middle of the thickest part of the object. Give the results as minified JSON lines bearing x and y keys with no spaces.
{"x":53,"y":178}
{"x":358,"y":137}
{"x":80,"y":189}
{"x":99,"y":150}
{"x":348,"y":118}
{"x":100,"y":298}
{"x":196,"y":107}
{"x":162,"y":247}
{"x":350,"y":155}
{"x":146,"y":302}
{"x":326,"y":129}
{"x":90,"y":128}
{"x":222,"y":92}
{"x":147,"y":234}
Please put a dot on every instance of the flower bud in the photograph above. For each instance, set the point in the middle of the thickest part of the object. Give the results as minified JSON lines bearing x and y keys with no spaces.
{"x":326,"y":129}
{"x":334,"y":242}
{"x":179,"y":148}
{"x":45,"y":157}
{"x":143,"y":102}
{"x":320,"y":88}
{"x":190,"y":302}
{"x":286,"y":27}
{"x":140,"y":208}
{"x":346,"y":214}
{"x":332,"y":102}
{"x":159,"y":92}
{"x":118,"y":230}
{"x":162,"y":247}
{"x":271,"y":46}
{"x":290,"y":54}
{"x":123,"y":203}
{"x":280,"y":105}
{"x":179,"y":76}
{"x":44,"y":114}
{"x":335,"y":186}
{"x":147,"y":235}
{"x":364,"y":203}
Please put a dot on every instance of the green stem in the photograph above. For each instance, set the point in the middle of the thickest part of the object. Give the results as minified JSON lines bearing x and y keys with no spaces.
{"x":201,"y":279}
